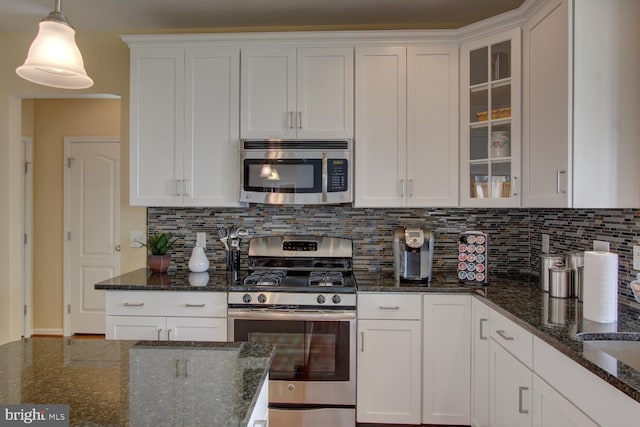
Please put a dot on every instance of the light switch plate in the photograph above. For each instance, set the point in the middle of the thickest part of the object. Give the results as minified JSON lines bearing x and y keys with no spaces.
{"x":600,"y":246}
{"x":636,"y":258}
{"x":545,"y":244}
{"x":135,"y":237}
{"x":201,"y":240}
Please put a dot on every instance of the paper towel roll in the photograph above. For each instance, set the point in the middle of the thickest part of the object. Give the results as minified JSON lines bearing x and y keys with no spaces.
{"x":600,"y":291}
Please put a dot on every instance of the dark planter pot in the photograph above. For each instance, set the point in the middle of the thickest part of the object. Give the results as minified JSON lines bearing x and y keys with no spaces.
{"x":158,"y":263}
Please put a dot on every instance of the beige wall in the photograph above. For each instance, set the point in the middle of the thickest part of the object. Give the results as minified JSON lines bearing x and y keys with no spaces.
{"x":107,"y":62}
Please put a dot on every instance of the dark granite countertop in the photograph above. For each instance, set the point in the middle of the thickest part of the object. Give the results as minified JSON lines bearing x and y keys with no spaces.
{"x":145,"y":280}
{"x":118,"y":383}
{"x":555,"y":321}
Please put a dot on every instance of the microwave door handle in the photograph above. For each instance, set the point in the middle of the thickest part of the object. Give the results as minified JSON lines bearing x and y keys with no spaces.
{"x":324,"y":177}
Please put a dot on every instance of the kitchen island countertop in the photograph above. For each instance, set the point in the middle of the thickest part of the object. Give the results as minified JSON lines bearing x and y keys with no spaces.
{"x":98,"y":379}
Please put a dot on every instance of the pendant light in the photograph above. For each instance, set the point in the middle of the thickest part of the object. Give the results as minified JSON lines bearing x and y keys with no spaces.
{"x":54,"y":58}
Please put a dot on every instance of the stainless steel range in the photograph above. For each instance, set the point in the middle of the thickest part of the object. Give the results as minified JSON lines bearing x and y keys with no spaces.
{"x":300,"y":294}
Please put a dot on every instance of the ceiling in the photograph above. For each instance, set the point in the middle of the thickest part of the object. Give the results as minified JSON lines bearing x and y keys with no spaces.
{"x":164,"y":15}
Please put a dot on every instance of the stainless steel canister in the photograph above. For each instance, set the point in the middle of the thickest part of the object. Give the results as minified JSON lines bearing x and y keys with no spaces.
{"x":546,"y":262}
{"x":560,"y":282}
{"x":580,"y":283}
{"x":573,"y":261}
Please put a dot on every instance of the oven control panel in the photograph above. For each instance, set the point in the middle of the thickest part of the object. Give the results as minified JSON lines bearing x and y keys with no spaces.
{"x":283,"y":298}
{"x":300,"y":245}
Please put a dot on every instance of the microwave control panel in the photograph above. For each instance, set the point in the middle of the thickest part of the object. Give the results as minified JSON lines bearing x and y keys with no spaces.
{"x":337,"y":173}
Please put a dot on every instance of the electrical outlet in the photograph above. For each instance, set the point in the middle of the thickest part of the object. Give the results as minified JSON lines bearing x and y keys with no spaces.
{"x":600,"y":246}
{"x":545,"y":244}
{"x":136,"y":238}
{"x":636,"y":258}
{"x":201,"y":240}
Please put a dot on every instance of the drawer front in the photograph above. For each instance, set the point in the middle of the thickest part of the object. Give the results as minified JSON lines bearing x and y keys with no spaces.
{"x":390,"y":306}
{"x":148,"y":303}
{"x":512,"y":338}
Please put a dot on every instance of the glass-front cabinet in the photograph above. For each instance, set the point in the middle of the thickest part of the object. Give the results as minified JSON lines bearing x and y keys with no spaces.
{"x":490,"y":121}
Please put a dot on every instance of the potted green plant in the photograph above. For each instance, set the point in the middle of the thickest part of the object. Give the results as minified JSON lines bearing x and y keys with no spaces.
{"x":159,"y":246}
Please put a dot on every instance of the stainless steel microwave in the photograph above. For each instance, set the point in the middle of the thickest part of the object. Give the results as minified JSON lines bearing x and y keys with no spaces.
{"x":280,"y":172}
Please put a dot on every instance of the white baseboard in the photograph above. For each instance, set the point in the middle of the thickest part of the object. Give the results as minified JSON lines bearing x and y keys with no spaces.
{"x":57,"y":332}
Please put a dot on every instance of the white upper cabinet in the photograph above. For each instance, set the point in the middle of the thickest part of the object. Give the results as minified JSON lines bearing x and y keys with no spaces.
{"x":184,"y":126}
{"x":304,"y":93}
{"x":490,"y":114}
{"x":581,"y":91}
{"x":406,"y":126}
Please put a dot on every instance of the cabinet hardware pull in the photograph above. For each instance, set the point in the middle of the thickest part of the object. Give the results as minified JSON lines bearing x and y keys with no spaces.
{"x":299,"y":119}
{"x":186,"y":368}
{"x":389,"y":307}
{"x":361,"y":342}
{"x":558,"y":189}
{"x":159,"y":330}
{"x":403,"y":187}
{"x":177,"y":368}
{"x":504,"y":335}
{"x":185,"y":187}
{"x":515,"y":186}
{"x":194,"y":305}
{"x":411,"y":188}
{"x":260,"y":423}
{"x":129,"y":304}
{"x":521,"y":391}
{"x":178,"y":182}
{"x":168,"y":334}
{"x":290,"y":119}
{"x":482,"y":323}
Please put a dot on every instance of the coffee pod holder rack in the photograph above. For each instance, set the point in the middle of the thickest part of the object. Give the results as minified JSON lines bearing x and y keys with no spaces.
{"x":473,"y":258}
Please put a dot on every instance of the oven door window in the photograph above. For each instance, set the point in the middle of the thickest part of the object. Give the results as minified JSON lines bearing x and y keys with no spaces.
{"x":305,"y":350}
{"x":283,"y":175}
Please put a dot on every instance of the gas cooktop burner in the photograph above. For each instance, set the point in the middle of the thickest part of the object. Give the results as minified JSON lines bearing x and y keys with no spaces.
{"x":266,"y":278}
{"x":326,"y":278}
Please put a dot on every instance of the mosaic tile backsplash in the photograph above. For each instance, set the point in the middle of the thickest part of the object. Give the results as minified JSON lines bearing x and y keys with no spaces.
{"x":514,"y":246}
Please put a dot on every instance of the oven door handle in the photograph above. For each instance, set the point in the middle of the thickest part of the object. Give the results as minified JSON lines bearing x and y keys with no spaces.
{"x":284,"y":314}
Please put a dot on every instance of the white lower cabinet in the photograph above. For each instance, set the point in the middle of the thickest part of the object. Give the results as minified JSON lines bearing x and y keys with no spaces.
{"x":509,"y":389}
{"x":551,"y":409}
{"x":479,"y":363}
{"x":171,"y":316}
{"x":446,"y":352}
{"x":389,"y":358}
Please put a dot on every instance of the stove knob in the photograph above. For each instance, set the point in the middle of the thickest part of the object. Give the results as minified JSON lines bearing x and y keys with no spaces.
{"x":246,"y":298}
{"x":321,"y":299}
{"x":262,"y":298}
{"x":336,"y":299}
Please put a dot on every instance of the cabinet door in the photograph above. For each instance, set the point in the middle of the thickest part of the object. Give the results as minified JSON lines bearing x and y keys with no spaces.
{"x":389,"y":359}
{"x":490,"y":121}
{"x":268,"y":93}
{"x":479,"y":364}
{"x":211,"y":149}
{"x":547,"y":144}
{"x":432,"y":126}
{"x":510,"y":389}
{"x":157,"y":126}
{"x":149,"y":328}
{"x":381,"y":127}
{"x":196,"y":329}
{"x":446,"y":353}
{"x":324,"y":105}
{"x":551,"y":409}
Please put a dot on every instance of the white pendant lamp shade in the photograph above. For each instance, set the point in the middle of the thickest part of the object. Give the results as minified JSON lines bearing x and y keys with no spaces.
{"x":54,"y":58}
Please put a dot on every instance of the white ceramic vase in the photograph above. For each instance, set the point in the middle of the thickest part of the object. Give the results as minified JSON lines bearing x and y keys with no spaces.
{"x":198,"y":261}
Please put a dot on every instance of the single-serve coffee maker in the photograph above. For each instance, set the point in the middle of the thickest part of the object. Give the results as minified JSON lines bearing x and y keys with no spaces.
{"x":412,"y":254}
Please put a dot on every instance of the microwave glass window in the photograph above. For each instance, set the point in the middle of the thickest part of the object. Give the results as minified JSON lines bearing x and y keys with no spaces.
{"x":283,"y":176}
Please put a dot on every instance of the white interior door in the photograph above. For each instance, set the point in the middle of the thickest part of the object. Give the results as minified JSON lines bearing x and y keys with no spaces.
{"x":92,"y":213}
{"x":27,"y":214}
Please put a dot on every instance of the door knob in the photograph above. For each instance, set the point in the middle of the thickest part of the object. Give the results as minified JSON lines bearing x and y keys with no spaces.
{"x":117,"y":248}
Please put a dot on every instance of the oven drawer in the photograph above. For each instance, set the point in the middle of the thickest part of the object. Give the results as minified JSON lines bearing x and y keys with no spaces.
{"x":166,"y":303}
{"x":389,"y":306}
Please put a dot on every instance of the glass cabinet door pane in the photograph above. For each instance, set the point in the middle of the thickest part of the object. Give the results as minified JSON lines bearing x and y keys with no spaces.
{"x":479,"y":143}
{"x":479,"y":100}
{"x":501,"y":180}
{"x":478,"y":66}
{"x":479,"y":185}
{"x":501,"y":60}
{"x":500,"y":102}
{"x":501,"y":141}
